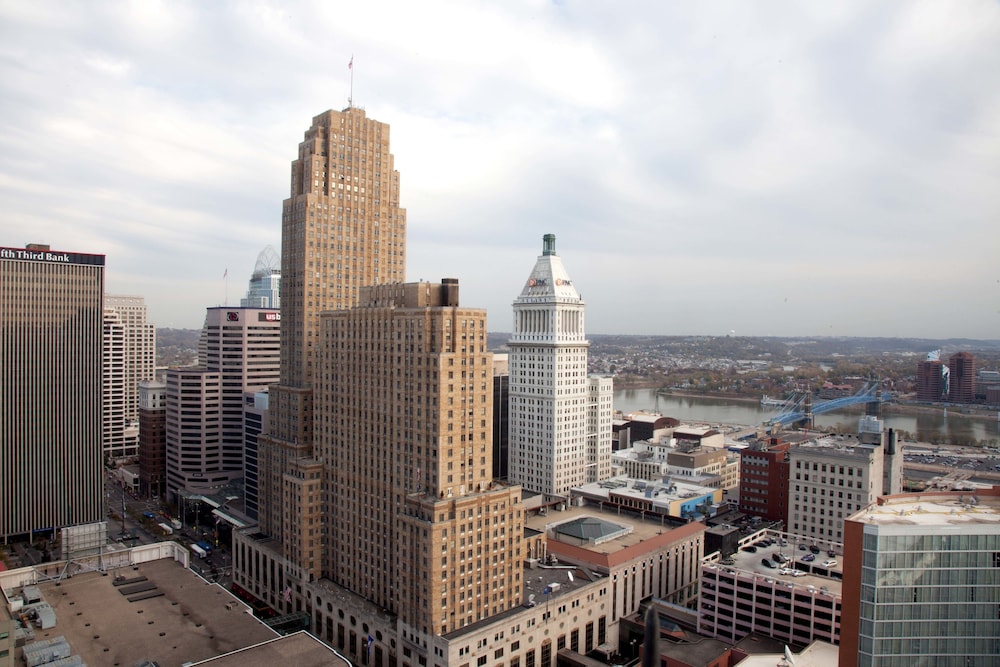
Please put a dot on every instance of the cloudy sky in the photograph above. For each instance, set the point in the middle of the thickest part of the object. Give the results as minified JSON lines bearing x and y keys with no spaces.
{"x":768,"y":168}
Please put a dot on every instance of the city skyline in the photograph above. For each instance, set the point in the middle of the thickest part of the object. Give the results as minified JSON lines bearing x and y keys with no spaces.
{"x":761,"y":170}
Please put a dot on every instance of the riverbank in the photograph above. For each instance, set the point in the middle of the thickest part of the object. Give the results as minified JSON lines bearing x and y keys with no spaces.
{"x":720,"y":395}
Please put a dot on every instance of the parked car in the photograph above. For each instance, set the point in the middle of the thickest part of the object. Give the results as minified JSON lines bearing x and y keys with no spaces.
{"x":803,"y":547}
{"x":831,"y":553}
{"x":751,"y":548}
{"x":767,"y":563}
{"x":830,"y":563}
{"x":814,"y":549}
{"x":808,"y":558}
{"x":798,"y":573}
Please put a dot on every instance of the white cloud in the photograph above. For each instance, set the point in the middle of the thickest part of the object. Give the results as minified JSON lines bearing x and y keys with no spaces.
{"x":697,"y":161}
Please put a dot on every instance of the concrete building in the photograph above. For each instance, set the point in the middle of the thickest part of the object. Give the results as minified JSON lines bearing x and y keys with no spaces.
{"x":641,"y":427}
{"x":794,"y":601}
{"x":205,"y":403}
{"x":830,"y":479}
{"x":685,"y":459}
{"x":129,"y":358}
{"x":437,"y":434}
{"x":342,"y":228}
{"x":51,"y":332}
{"x":962,"y":378}
{"x":152,"y":438}
{"x":552,"y":448}
{"x":924,"y":589}
{"x":641,"y":556}
{"x":667,"y":498}
{"x":425,"y":552}
{"x":264,"y":290}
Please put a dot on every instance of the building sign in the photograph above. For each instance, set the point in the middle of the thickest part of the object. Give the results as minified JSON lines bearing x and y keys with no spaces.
{"x":49,"y":256}
{"x":269,"y":317}
{"x":232,"y":316}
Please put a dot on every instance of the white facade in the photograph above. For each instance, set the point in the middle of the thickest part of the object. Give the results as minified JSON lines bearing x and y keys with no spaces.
{"x":600,"y":410}
{"x":551,"y":450}
{"x":129,"y":358}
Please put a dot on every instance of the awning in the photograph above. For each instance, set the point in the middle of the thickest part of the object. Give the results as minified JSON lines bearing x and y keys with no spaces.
{"x":230,"y":519}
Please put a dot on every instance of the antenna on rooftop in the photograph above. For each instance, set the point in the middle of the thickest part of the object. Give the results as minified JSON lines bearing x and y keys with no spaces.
{"x":350,"y":95}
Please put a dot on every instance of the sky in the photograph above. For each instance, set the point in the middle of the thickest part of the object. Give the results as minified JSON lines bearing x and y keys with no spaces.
{"x":708,"y":168}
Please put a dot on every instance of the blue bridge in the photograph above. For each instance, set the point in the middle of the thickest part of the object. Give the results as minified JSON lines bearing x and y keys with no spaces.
{"x":798,"y":408}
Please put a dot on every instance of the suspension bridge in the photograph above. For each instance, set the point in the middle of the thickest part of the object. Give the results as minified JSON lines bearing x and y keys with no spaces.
{"x":801,"y":408}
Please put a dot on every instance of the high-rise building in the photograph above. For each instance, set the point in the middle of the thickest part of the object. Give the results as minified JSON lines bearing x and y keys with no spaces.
{"x":264,"y":290}
{"x":555,"y":443}
{"x":404,"y":398}
{"x":924,"y":587}
{"x":828,"y":481}
{"x":152,"y":438}
{"x":129,"y":358}
{"x":342,"y":228}
{"x":930,"y":380}
{"x":205,"y":403}
{"x":51,"y":331}
{"x":962,"y":382}
{"x":255,"y":422}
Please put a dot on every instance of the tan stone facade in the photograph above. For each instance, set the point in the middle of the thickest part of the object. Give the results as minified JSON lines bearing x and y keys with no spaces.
{"x":416,"y":523}
{"x":342,"y":227}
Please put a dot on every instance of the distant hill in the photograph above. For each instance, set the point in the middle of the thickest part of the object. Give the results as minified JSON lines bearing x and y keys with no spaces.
{"x":177,"y":347}
{"x":803,"y":348}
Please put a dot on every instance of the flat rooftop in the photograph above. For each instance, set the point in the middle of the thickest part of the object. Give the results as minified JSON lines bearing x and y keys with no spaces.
{"x":932,"y":509}
{"x":816,"y":574}
{"x":193,"y":620}
{"x":638,"y":530}
{"x":300,"y":649}
{"x":663,"y":492}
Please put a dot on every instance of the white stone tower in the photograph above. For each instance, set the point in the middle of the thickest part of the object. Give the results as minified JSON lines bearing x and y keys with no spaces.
{"x":552,"y":448}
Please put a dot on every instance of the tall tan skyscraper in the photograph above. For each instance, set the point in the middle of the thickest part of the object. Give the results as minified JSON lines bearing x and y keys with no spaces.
{"x":51,"y":323}
{"x":342,"y":228}
{"x":407,"y":417}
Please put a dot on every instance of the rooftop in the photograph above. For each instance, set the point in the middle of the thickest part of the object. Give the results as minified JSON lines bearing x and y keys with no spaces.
{"x":816,"y":575}
{"x":660,"y":494}
{"x":624,"y":530}
{"x":951,"y":509}
{"x":192,"y":619}
{"x":300,"y":649}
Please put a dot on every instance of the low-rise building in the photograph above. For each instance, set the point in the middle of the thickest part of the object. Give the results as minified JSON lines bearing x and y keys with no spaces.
{"x":781,"y":585}
{"x":641,"y":556}
{"x":667,"y":498}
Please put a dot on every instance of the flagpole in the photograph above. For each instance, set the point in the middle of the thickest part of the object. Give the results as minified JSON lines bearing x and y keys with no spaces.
{"x":350,"y":97}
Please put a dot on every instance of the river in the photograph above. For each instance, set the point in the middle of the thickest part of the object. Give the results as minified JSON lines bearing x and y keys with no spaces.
{"x":954,"y":427}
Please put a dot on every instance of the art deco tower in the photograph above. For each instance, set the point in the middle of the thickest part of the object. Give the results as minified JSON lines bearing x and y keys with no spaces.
{"x":404,"y":400}
{"x":342,"y":228}
{"x":560,"y":420}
